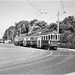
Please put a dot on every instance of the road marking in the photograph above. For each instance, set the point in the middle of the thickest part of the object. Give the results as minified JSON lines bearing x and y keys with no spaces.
{"x":26,"y":64}
{"x":40,"y":58}
{"x":62,"y":61}
{"x":31,"y":63}
{"x":56,"y":63}
{"x":8,"y":61}
{"x":22,"y":59}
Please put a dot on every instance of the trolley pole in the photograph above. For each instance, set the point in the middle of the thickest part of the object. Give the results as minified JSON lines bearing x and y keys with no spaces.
{"x":58,"y":23}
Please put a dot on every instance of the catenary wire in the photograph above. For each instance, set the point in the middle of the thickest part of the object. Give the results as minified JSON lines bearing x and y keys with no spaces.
{"x":33,"y":6}
{"x":36,"y":5}
{"x":36,"y":9}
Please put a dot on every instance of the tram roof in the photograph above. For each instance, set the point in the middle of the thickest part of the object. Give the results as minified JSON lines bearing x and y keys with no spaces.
{"x":39,"y":34}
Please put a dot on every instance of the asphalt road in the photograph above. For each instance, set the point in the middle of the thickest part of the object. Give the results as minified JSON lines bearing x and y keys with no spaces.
{"x":24,"y":60}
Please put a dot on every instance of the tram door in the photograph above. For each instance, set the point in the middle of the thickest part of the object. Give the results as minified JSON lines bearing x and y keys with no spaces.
{"x":39,"y":42}
{"x":24,"y":42}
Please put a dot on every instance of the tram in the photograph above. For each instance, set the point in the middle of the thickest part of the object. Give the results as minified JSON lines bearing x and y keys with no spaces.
{"x":48,"y":40}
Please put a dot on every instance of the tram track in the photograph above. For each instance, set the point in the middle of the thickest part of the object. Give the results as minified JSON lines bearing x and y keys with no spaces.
{"x":28,"y":68}
{"x":40,"y":61}
{"x":52,"y":62}
{"x":34,"y":54}
{"x":30,"y":57}
{"x":55,"y":68}
{"x":31,"y":63}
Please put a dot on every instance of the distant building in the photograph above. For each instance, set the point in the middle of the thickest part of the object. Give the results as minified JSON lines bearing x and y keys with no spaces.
{"x":1,"y":41}
{"x":7,"y":41}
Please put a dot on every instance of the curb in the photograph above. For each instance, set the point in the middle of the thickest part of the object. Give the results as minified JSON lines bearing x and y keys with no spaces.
{"x":66,"y":49}
{"x":71,"y":73}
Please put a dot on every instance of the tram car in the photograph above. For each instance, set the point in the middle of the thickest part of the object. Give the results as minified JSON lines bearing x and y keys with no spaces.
{"x":16,"y":41}
{"x":48,"y":40}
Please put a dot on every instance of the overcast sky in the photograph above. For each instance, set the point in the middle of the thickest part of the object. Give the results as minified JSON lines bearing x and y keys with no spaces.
{"x":12,"y":11}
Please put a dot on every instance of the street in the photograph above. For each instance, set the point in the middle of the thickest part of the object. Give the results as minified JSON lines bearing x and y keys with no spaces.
{"x":24,"y":60}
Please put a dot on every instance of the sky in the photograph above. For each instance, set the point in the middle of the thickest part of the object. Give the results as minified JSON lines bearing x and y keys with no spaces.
{"x":13,"y":11}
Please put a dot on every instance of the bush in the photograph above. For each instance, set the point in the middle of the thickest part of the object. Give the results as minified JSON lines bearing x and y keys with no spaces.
{"x":67,"y":45}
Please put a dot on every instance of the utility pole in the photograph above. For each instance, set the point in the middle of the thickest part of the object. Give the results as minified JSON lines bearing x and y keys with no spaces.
{"x":20,"y":30}
{"x":58,"y":24}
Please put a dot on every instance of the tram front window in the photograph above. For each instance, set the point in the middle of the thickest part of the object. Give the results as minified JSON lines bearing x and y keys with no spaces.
{"x":53,"y":37}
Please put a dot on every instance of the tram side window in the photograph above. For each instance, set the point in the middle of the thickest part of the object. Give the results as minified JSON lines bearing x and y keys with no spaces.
{"x":56,"y":37}
{"x":46,"y":37}
{"x":42,"y":37}
{"x":53,"y":36}
{"x":49,"y":37}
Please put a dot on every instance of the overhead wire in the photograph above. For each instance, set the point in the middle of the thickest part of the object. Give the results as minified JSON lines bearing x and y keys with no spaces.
{"x":63,"y":6}
{"x":34,"y":15}
{"x":33,"y":6}
{"x":55,"y":17}
{"x":36,"y":5}
{"x":52,"y":18}
{"x":38,"y":9}
{"x":55,"y":11}
{"x":52,"y":12}
{"x":58,"y":10}
{"x":37,"y":15}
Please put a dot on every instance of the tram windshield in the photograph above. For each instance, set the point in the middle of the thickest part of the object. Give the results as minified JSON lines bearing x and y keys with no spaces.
{"x":53,"y":37}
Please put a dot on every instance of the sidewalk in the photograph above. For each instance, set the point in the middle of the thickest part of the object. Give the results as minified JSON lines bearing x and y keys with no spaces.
{"x":71,"y":73}
{"x":67,"y":49}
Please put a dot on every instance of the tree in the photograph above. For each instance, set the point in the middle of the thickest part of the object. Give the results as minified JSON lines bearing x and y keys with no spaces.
{"x":9,"y":33}
{"x":41,"y":24}
{"x":33,"y":22}
{"x":21,"y":28}
{"x":65,"y":37}
{"x":37,"y":26}
{"x":5,"y":35}
{"x":24,"y":27}
{"x":52,"y":27}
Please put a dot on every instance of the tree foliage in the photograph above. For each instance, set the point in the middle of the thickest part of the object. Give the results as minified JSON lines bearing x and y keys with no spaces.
{"x":66,"y":29}
{"x":9,"y":33}
{"x":21,"y":27}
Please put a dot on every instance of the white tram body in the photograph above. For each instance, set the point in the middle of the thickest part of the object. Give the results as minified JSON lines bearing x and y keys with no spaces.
{"x":44,"y":40}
